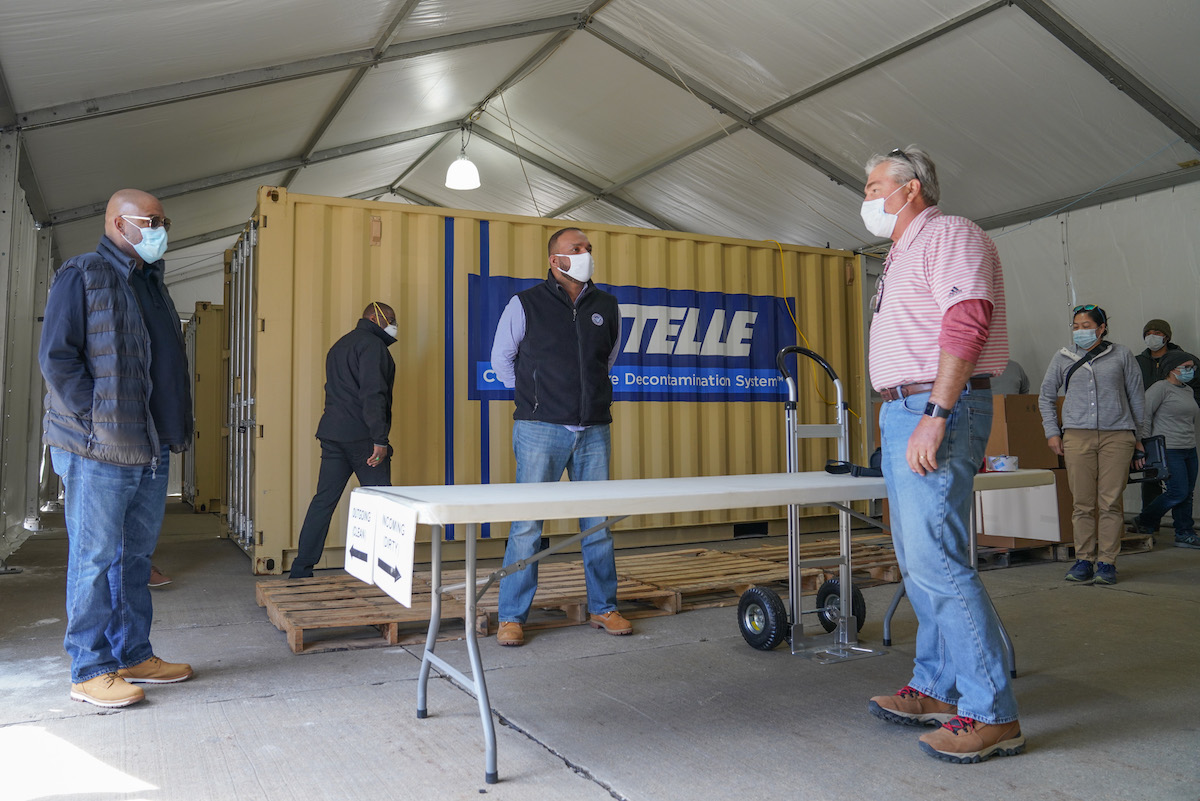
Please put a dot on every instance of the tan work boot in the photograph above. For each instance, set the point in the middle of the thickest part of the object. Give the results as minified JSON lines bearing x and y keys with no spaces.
{"x":109,"y":691}
{"x":611,"y":622}
{"x":156,"y":671}
{"x":964,"y":740}
{"x":158,"y":578}
{"x":911,"y":707}
{"x":510,"y":633}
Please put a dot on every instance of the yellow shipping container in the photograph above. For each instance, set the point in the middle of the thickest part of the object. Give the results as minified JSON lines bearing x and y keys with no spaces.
{"x":204,"y":463}
{"x":305,"y":268}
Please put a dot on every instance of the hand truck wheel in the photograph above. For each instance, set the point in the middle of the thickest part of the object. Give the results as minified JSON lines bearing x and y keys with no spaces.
{"x":762,"y":618}
{"x":829,"y":605}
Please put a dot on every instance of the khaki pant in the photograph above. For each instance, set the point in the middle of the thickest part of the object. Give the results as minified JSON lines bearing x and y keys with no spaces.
{"x":1097,"y":472}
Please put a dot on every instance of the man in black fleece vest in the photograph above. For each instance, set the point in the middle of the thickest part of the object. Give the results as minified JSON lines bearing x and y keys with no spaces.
{"x":556,"y":343}
{"x":359,"y":374}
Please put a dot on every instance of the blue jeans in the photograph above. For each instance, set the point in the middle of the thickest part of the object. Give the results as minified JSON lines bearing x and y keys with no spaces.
{"x":960,"y":655}
{"x":544,"y":451}
{"x":113,"y":515}
{"x":1177,"y":496}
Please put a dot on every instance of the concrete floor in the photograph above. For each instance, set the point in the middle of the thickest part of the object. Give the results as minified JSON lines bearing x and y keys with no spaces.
{"x":682,"y":709}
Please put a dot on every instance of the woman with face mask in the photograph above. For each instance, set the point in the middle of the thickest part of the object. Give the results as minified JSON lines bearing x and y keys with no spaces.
{"x":1097,"y":437}
{"x":1171,"y":412}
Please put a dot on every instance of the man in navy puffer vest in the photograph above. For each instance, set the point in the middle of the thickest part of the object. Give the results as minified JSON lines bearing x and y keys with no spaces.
{"x":118,"y":403}
{"x":555,"y":343}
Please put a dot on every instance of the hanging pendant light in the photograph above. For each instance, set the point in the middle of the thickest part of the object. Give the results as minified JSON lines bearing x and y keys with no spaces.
{"x":462,"y":174}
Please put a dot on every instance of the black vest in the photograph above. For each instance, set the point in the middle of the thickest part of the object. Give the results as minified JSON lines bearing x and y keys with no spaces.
{"x":562,"y":362}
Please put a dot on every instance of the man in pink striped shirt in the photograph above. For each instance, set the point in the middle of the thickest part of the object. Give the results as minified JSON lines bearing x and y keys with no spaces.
{"x":938,"y":335}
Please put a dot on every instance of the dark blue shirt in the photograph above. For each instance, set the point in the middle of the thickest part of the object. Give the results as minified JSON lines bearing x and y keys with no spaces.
{"x":170,"y":393}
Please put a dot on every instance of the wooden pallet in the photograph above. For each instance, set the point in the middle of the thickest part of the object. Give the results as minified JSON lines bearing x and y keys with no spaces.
{"x":561,"y":598}
{"x":872,"y":558}
{"x":705,"y":578}
{"x":302,"y":607}
{"x":1130,"y":543}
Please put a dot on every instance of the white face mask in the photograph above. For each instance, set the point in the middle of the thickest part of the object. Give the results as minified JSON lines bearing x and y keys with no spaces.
{"x":391,"y":331}
{"x":582,"y":266}
{"x":878,"y":221}
{"x":1154,"y":341}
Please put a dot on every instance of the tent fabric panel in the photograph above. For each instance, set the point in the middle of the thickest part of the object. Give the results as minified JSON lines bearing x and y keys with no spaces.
{"x":1151,"y":39}
{"x":59,"y":51}
{"x":162,"y":146}
{"x":603,"y":125}
{"x":353,"y":174}
{"x":758,"y":52}
{"x":1018,"y":121}
{"x":748,"y":188}
{"x":425,"y":90}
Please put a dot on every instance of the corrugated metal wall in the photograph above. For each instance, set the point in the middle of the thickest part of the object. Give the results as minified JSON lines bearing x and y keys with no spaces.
{"x":319,"y":261}
{"x":204,"y":462}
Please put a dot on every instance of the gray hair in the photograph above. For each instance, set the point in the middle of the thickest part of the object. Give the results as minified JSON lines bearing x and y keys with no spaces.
{"x":907,"y":164}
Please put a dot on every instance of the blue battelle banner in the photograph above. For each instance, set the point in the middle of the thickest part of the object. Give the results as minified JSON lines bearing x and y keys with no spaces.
{"x":676,"y":344}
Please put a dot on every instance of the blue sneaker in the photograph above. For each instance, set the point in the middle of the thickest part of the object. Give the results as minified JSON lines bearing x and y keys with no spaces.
{"x":1187,"y":541}
{"x":1080,"y":571}
{"x":1105,"y":573}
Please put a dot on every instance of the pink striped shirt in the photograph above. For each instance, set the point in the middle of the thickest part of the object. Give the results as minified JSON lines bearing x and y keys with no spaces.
{"x":938,"y":261}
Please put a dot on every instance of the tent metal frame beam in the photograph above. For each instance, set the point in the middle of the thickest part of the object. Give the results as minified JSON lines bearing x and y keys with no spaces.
{"x":76,"y":111}
{"x":1113,"y":70}
{"x":724,"y":105}
{"x":573,"y":179}
{"x":882,"y":58}
{"x":234,"y":176}
{"x":1141,"y":186}
{"x":350,"y":87}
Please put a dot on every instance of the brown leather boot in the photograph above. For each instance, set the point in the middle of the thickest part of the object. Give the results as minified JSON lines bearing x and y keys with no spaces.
{"x":108,"y":690}
{"x":611,"y":622}
{"x":510,"y":633}
{"x":911,"y":707}
{"x":964,"y":740}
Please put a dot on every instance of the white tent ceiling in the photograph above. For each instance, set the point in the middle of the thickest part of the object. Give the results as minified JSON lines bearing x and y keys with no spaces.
{"x":747,"y":119}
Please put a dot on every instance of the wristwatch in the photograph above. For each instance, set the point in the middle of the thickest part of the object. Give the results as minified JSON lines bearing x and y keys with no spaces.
{"x":933,"y":410}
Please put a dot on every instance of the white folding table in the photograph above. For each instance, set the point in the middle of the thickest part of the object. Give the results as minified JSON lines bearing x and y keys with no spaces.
{"x":471,"y":505}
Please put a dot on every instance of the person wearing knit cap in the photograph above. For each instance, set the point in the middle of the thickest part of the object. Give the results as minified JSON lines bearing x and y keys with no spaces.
{"x":1171,"y":411}
{"x":1157,"y":335}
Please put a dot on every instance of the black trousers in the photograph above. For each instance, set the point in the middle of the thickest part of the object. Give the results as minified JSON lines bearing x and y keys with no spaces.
{"x":338,"y":461}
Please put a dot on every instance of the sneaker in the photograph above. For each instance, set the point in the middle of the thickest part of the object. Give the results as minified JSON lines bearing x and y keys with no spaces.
{"x":911,"y":707}
{"x":1187,"y":541}
{"x":109,"y":691}
{"x":611,"y":622}
{"x":964,"y":740}
{"x":156,"y":671}
{"x":1080,"y":571}
{"x":1105,"y":573}
{"x":1137,"y":528}
{"x":157,"y":577}
{"x":510,"y":633}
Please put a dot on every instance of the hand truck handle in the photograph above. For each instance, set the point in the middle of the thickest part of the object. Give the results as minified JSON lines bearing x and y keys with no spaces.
{"x":781,"y":362}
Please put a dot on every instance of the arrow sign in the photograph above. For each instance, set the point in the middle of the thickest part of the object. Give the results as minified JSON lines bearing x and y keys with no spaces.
{"x":360,"y":535}
{"x":395,"y":546}
{"x":390,"y":571}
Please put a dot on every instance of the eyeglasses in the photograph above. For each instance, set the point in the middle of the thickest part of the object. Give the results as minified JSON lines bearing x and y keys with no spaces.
{"x":155,"y":221}
{"x":877,"y":299}
{"x":901,"y":154}
{"x":1088,"y":307}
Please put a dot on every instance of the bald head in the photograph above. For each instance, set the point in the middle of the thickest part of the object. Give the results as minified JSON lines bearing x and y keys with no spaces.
{"x":132,"y":203}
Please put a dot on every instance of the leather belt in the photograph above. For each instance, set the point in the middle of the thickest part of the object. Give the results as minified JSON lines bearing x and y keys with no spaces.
{"x":904,"y":390}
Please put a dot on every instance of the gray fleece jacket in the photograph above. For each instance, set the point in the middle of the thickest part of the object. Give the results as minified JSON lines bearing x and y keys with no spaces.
{"x":1105,"y":395}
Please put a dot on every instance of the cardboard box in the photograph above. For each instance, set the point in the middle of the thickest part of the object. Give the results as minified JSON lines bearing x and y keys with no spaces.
{"x":1017,"y":431}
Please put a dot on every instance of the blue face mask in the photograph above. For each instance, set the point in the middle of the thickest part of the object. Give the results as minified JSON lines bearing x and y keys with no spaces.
{"x":1186,"y":374}
{"x":1084,"y":337}
{"x":153,"y":244}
